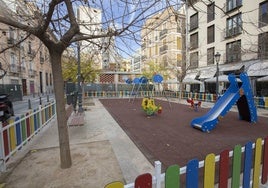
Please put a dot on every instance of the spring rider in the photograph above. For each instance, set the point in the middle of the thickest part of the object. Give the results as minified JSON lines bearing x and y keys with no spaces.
{"x":149,"y":106}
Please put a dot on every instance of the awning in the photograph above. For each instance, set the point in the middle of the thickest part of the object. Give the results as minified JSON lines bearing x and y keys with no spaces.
{"x":191,"y":81}
{"x":230,"y":67}
{"x":221,"y":78}
{"x":190,"y":78}
{"x":258,"y":69}
{"x":263,"y":79}
{"x":207,"y":73}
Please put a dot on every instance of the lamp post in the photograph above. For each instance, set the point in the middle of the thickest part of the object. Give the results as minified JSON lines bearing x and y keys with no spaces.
{"x":80,"y":109}
{"x":217,"y":58}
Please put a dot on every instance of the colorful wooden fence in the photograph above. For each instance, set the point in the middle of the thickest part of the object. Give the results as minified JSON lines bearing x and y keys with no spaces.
{"x":19,"y":130}
{"x":242,"y":167}
{"x":260,"y":102}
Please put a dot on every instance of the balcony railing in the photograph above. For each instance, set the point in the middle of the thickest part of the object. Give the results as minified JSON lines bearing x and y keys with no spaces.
{"x":163,"y":33}
{"x":163,"y":49}
{"x":13,"y":68}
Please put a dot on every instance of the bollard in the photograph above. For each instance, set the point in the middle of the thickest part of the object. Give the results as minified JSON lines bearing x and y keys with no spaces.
{"x":47,"y":98}
{"x":40,"y":101}
{"x":29,"y":104}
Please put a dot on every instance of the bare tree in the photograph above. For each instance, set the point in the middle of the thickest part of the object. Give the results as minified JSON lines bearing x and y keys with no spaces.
{"x":55,"y":23}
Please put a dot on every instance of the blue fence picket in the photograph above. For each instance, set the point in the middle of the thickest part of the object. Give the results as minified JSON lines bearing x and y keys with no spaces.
{"x":192,"y":174}
{"x":18,"y":131}
{"x":247,"y":165}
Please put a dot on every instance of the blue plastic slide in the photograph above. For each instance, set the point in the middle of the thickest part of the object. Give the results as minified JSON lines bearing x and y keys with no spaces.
{"x":232,"y":96}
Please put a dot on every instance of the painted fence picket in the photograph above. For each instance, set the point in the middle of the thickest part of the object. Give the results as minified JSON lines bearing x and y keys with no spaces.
{"x":257,"y":163}
{"x":172,"y":177}
{"x":12,"y":136}
{"x":18,"y":131}
{"x":116,"y":184}
{"x":247,"y":165}
{"x":36,"y":124}
{"x":236,"y":167}
{"x":224,"y":169}
{"x":144,"y":181}
{"x":254,"y":159}
{"x":23,"y":128}
{"x":209,"y":171}
{"x":31,"y":123}
{"x":28,"y":127}
{"x":192,"y":174}
{"x":264,"y":177}
{"x":6,"y":140}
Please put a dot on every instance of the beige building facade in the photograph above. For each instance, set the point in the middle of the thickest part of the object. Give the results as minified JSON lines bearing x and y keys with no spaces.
{"x":163,"y":42}
{"x":26,"y":62}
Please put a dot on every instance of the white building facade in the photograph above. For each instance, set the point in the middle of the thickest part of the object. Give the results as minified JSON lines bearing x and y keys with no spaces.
{"x":238,"y":30}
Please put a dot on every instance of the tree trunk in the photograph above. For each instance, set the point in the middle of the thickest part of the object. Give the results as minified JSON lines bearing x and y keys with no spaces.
{"x":65,"y":154}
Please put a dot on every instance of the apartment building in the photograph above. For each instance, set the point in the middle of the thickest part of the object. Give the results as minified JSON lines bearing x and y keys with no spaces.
{"x":238,"y":31}
{"x":25,"y":60}
{"x":163,"y":42}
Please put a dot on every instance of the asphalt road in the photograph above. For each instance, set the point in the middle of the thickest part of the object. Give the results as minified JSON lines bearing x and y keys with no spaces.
{"x":27,"y":103}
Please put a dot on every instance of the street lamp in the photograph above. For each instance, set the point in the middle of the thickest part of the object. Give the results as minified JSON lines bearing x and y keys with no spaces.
{"x":80,"y":109}
{"x":217,"y":58}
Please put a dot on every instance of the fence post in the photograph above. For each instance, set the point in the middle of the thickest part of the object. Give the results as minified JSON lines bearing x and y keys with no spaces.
{"x":157,"y":166}
{"x":2,"y":150}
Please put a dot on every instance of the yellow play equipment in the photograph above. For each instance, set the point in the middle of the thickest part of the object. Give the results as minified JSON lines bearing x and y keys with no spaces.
{"x":149,"y":106}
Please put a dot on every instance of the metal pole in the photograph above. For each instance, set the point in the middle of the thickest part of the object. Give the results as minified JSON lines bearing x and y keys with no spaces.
{"x":80,"y":109}
{"x":217,"y":79}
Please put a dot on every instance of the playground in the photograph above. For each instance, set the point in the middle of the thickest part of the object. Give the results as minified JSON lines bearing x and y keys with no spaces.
{"x":169,"y":137}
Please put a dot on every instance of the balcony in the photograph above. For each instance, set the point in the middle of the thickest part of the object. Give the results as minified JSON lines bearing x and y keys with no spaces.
{"x":42,"y":60}
{"x":163,"y":49}
{"x":13,"y":68}
{"x":10,"y":41}
{"x":32,"y":73}
{"x":22,"y":69}
{"x":232,"y":32}
{"x":163,"y":33}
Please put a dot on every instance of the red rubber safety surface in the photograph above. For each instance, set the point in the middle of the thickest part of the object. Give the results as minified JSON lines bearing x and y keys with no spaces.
{"x":169,"y":138}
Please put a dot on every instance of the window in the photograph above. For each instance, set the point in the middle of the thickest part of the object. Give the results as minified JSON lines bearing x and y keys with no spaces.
{"x":12,"y":59}
{"x":234,"y":25}
{"x":210,"y":12}
{"x":179,"y":44}
{"x":210,"y":56}
{"x":263,"y":46}
{"x":233,"y":51}
{"x":233,"y":4}
{"x":46,"y":79}
{"x":263,"y":16}
{"x":194,"y":60}
{"x":194,"y":21}
{"x":29,"y":47}
{"x":194,"y":41}
{"x":210,"y":34}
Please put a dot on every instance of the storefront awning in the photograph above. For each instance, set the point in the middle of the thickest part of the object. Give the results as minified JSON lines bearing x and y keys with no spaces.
{"x":230,"y":67}
{"x":263,"y":79}
{"x":258,"y":69}
{"x":221,"y":78}
{"x":191,"y":81}
{"x":190,"y":78}
{"x":207,"y":73}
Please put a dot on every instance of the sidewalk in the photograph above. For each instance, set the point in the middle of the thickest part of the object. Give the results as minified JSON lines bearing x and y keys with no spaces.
{"x":101,"y":153}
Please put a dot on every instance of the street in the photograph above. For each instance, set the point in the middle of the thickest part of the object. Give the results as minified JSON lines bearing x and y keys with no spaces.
{"x":28,"y":102}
